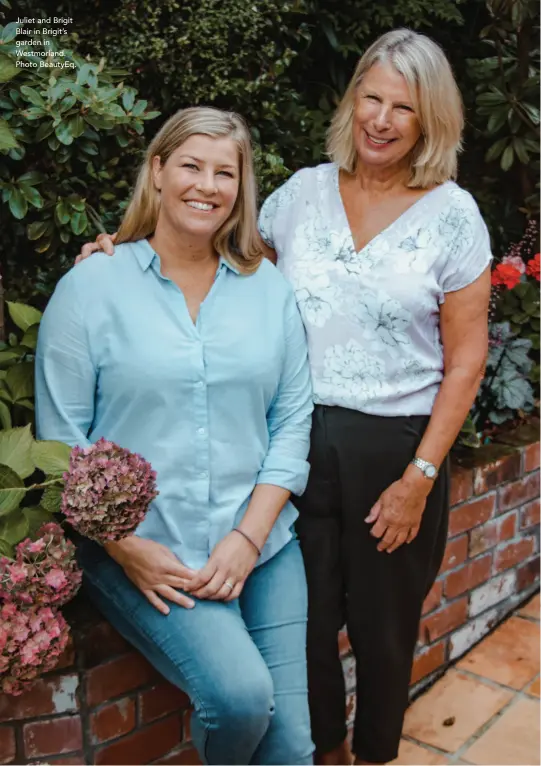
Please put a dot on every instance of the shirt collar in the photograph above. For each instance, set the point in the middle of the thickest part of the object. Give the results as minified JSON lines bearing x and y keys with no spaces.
{"x":145,"y":255}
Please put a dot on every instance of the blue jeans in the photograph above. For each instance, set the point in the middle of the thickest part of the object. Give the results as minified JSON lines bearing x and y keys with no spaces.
{"x":243,"y":663}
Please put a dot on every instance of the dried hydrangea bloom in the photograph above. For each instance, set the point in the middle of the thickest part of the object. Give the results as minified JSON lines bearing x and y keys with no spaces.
{"x":108,"y":491}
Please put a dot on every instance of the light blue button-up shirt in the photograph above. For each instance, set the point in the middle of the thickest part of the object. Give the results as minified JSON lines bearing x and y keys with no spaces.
{"x":216,"y":407}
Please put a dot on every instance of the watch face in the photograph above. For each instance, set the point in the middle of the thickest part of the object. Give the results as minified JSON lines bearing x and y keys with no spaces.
{"x":430,"y":471}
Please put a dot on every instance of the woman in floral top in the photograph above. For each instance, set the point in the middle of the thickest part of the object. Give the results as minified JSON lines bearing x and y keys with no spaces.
{"x":389,"y":260}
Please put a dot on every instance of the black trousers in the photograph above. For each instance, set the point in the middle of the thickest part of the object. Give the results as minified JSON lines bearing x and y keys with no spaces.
{"x":379,"y":596}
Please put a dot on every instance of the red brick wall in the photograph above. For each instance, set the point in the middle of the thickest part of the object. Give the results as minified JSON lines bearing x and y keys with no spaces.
{"x":491,"y":561}
{"x":106,"y":705}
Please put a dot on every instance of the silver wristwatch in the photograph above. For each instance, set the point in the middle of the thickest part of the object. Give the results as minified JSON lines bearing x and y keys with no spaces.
{"x":429,"y":469}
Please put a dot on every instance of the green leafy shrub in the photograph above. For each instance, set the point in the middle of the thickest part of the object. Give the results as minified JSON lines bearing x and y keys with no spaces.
{"x":70,"y":138}
{"x":30,"y":484}
{"x":506,"y":389}
{"x":17,"y":367}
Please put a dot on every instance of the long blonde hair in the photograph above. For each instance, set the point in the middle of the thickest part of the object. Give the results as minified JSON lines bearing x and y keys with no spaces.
{"x":436,"y":98}
{"x":238,"y":239}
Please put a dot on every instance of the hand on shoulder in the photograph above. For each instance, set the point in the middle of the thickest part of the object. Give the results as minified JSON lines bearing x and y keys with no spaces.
{"x":104,"y":243}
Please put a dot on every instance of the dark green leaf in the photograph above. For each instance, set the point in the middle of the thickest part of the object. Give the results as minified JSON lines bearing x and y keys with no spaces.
{"x":79,"y":222}
{"x":18,"y":204}
{"x":14,"y":527}
{"x":64,"y":134}
{"x":7,"y":137}
{"x":36,"y":230}
{"x":32,"y":95}
{"x":20,"y":381}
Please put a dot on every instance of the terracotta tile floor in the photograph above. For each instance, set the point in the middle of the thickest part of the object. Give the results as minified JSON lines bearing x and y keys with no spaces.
{"x":484,"y":710}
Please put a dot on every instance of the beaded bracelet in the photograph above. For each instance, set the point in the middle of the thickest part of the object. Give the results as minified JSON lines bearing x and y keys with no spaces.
{"x":247,"y":537}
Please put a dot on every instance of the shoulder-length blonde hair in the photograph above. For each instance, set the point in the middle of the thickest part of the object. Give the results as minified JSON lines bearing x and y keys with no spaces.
{"x":238,"y":239}
{"x":436,"y":100}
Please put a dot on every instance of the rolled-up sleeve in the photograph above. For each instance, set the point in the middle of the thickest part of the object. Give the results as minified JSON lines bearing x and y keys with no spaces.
{"x":65,"y":376}
{"x":290,"y":414}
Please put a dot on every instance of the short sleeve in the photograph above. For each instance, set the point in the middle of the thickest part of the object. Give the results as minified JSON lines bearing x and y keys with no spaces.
{"x":469,"y":253}
{"x":277,"y":210}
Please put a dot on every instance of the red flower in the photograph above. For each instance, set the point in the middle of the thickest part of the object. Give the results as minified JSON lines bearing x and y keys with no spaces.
{"x":506,"y":274}
{"x":532,"y":267}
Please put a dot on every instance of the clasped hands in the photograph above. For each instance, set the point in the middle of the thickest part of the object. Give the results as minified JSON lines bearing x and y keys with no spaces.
{"x":159,"y":574}
{"x":396,"y":516}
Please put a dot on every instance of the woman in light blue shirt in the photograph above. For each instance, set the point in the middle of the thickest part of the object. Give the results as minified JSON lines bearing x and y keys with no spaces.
{"x":188,"y":348}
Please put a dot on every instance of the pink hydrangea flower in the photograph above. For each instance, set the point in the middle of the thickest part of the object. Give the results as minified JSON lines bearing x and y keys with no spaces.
{"x":45,"y":570}
{"x":107,"y":491}
{"x":31,"y":642}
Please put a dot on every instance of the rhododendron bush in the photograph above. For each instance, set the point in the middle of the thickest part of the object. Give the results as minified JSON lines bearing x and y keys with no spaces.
{"x":104,"y":492}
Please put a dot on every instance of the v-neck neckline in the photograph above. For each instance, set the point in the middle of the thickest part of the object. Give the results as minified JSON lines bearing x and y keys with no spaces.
{"x":390,"y":226}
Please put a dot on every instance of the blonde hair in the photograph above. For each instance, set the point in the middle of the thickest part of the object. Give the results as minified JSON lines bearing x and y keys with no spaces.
{"x":436,"y":100}
{"x":238,"y":239}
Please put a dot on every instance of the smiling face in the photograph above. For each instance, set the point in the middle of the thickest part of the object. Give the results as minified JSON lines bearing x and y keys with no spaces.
{"x":198,"y":184}
{"x":385,"y":126}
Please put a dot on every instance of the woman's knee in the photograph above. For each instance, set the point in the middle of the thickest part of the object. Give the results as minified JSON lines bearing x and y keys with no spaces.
{"x":244,"y":705}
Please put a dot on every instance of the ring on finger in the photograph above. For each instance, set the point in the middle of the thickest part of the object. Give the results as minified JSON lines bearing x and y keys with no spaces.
{"x":229,"y":584}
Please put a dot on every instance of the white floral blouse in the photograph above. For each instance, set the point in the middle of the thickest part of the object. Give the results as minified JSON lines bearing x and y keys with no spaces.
{"x":372,"y":317}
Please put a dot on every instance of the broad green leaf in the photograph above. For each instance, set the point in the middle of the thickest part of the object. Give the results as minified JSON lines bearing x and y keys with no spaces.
{"x":7,"y":137}
{"x":23,"y":316}
{"x":496,"y":149}
{"x":52,"y":498}
{"x":496,"y":120}
{"x":521,"y":151}
{"x":8,"y":357}
{"x":20,"y":381}
{"x":51,"y":456}
{"x":8,"y":70}
{"x":128,"y":98}
{"x":76,"y":203}
{"x":30,"y":338}
{"x":11,"y":488}
{"x":32,"y":95}
{"x":14,"y":527}
{"x":139,"y":108}
{"x":507,"y":158}
{"x":62,"y":212}
{"x":5,"y":416}
{"x":63,"y":133}
{"x":32,"y":178}
{"x":79,"y":222}
{"x":36,"y":516}
{"x":6,"y":549}
{"x":36,"y":230}
{"x":18,"y":204}
{"x":16,"y":450}
{"x":532,"y":112}
{"x":44,"y":130}
{"x":77,"y":126}
{"x":9,"y":32}
{"x":32,"y":196}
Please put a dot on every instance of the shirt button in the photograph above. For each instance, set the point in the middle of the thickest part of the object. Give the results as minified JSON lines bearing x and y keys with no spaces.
{"x":203,"y":474}
{"x":199,"y":384}
{"x":201,"y":431}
